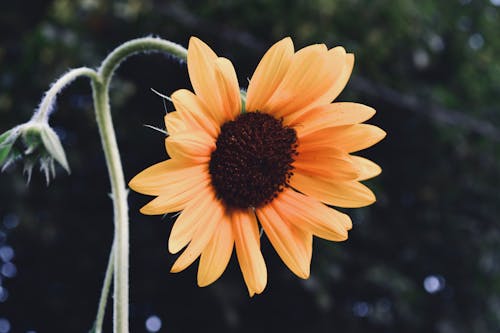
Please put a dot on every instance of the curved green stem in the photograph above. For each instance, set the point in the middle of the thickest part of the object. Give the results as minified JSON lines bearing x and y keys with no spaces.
{"x":118,"y":189}
{"x":120,"y":205}
{"x":48,"y":100}
{"x":118,"y":266}
{"x":146,"y":44}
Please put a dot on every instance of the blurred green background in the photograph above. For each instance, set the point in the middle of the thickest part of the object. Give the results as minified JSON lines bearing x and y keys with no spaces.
{"x":424,"y":258}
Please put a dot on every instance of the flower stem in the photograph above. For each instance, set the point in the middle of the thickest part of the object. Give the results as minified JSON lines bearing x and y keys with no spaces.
{"x":118,"y":266}
{"x":119,"y":192}
{"x":120,"y":205}
{"x":146,"y":44}
{"x":47,"y":104}
{"x":104,"y":293}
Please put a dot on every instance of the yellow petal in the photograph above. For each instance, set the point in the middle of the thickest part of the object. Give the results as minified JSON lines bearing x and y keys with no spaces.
{"x":176,"y":197}
{"x":291,"y":243}
{"x":190,"y":218}
{"x":201,"y":67}
{"x":312,"y":73}
{"x":348,"y":194}
{"x":342,"y":78}
{"x":367,"y":169}
{"x":159,"y":177}
{"x":209,"y":220}
{"x":350,"y":138}
{"x":216,"y":255}
{"x":173,"y":123}
{"x":194,"y":113}
{"x":247,"y":241}
{"x":228,"y":88}
{"x":190,"y":146}
{"x":325,"y":161}
{"x":311,"y":215}
{"x":357,"y":137}
{"x":269,"y":74}
{"x":331,"y":115}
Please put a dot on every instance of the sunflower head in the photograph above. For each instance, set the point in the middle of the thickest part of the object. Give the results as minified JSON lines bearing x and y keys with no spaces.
{"x":278,"y":164}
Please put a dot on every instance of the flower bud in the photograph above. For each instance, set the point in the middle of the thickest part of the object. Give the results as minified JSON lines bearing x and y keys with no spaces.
{"x":34,"y":141}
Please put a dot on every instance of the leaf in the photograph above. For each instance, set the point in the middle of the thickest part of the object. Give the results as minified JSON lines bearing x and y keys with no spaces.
{"x":4,"y":136}
{"x":54,"y":147}
{"x":5,"y":146}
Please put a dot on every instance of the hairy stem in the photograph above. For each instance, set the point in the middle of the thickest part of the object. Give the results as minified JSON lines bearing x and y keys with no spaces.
{"x":47,"y":104}
{"x":118,"y":266}
{"x":118,"y":189}
{"x":120,"y":205}
{"x":146,"y":44}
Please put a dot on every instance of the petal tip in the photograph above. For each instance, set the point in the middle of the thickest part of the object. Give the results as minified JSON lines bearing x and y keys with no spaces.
{"x":304,"y":274}
{"x":383,"y":134}
{"x":202,"y":281}
{"x":150,"y":211}
{"x":133,"y":183}
{"x":194,"y":40}
{"x":175,"y":269}
{"x":173,"y":247}
{"x":287,"y":41}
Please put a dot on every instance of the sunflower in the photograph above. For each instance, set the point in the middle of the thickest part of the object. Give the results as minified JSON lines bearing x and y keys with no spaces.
{"x":278,"y":161}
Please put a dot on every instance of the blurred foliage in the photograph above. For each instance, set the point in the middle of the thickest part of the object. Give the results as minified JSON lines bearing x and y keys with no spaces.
{"x":424,"y":258}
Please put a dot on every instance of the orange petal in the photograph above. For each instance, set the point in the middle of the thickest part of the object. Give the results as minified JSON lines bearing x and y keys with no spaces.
{"x":159,"y":177}
{"x":311,"y":215}
{"x":209,"y":220}
{"x":350,"y":138}
{"x":173,"y":123}
{"x":193,"y":112}
{"x":190,"y":218}
{"x":348,"y":194}
{"x":291,"y":243}
{"x":176,"y":197}
{"x":367,"y":169}
{"x":246,"y":236}
{"x":216,"y":255}
{"x":269,"y":74}
{"x":201,"y":67}
{"x":312,"y":73}
{"x":342,"y":78}
{"x":331,"y":115}
{"x":228,"y":88}
{"x":190,"y":146}
{"x":325,"y":161}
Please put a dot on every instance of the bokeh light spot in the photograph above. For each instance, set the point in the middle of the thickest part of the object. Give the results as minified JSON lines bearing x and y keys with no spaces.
{"x":4,"y":294}
{"x":434,"y":283}
{"x":10,"y":221}
{"x":4,"y":325}
{"x":361,"y":309}
{"x":8,"y":270}
{"x":6,"y":253}
{"x":476,"y":41}
{"x":153,"y":324}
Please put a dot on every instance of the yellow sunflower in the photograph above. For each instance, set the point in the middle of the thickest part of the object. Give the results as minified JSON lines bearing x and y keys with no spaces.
{"x":277,"y":161}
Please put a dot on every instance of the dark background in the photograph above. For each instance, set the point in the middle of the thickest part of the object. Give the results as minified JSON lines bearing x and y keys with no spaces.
{"x":424,"y":258}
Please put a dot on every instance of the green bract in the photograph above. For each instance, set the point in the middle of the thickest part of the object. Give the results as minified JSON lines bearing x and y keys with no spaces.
{"x":33,"y":142}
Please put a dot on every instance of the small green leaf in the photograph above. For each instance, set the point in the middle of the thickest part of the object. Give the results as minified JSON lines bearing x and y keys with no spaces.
{"x":5,"y":146}
{"x":4,"y":152}
{"x":54,"y":147}
{"x":4,"y":136}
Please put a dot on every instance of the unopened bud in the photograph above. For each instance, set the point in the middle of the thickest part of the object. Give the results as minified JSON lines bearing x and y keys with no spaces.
{"x":33,"y":142}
